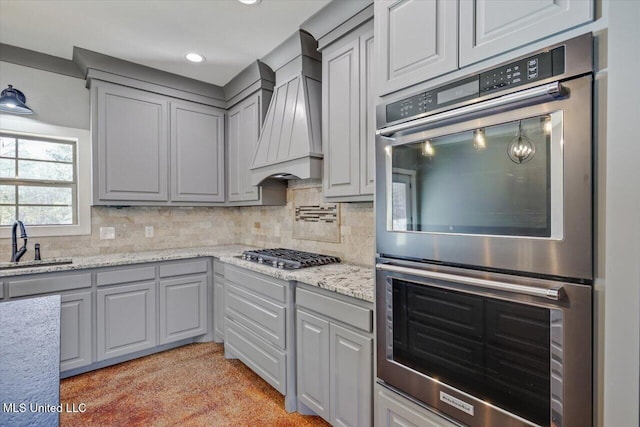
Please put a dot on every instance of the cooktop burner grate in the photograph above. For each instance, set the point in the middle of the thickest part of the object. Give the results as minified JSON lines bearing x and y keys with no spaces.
{"x":288,"y":259}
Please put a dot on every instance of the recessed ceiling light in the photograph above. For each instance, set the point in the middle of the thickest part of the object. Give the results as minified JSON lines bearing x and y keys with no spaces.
{"x":250,"y":1}
{"x":194,"y":57}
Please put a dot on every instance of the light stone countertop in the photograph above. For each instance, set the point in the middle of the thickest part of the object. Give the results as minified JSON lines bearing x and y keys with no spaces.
{"x":346,"y":279}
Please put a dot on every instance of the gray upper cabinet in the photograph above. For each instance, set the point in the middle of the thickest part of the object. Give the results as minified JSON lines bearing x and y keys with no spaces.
{"x":348,"y":110}
{"x":150,"y":149}
{"x":489,"y":28}
{"x":131,"y":145}
{"x":416,"y":41}
{"x":197,"y":153}
{"x":243,"y":130}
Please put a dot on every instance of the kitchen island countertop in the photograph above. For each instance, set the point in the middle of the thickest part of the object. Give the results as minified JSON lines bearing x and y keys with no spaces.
{"x":344,"y":278}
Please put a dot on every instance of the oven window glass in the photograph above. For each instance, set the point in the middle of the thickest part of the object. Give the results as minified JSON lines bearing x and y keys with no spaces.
{"x":495,"y":350}
{"x":494,"y":180}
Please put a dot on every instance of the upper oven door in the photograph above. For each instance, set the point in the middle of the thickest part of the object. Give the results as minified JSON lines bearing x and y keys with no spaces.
{"x":503,"y":184}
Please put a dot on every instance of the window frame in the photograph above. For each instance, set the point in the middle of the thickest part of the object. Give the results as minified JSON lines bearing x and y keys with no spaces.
{"x":27,"y":128}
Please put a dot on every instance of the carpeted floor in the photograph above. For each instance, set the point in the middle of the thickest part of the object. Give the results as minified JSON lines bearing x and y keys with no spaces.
{"x":192,"y":385}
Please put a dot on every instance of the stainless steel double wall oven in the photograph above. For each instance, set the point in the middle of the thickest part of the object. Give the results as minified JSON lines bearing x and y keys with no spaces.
{"x":484,"y":241}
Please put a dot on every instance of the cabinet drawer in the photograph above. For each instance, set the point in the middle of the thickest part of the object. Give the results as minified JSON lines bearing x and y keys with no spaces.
{"x":265,"y":285}
{"x":184,"y":267}
{"x":261,"y":316}
{"x":48,"y":284}
{"x":254,"y":352}
{"x":351,"y":314}
{"x":125,"y":275}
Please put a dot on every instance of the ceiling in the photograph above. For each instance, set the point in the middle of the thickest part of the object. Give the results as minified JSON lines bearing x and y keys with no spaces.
{"x":157,"y":33}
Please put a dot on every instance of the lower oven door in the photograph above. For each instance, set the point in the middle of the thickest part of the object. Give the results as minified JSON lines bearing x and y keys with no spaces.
{"x":486,"y":349}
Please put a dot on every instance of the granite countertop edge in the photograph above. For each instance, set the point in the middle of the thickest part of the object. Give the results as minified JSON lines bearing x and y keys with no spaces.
{"x":347,"y":279}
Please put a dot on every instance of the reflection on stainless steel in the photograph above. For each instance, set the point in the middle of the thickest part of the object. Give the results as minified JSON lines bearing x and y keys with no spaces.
{"x":552,"y":293}
{"x":550,"y":245}
{"x":568,"y":368}
{"x":521,"y":149}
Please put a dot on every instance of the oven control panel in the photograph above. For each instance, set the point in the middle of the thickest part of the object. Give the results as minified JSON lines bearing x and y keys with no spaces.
{"x":523,"y":71}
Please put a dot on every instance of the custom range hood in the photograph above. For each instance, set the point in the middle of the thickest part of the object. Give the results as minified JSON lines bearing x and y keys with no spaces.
{"x":289,"y":144}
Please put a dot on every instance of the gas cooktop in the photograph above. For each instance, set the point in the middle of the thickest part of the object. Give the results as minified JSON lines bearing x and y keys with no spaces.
{"x":288,"y":259}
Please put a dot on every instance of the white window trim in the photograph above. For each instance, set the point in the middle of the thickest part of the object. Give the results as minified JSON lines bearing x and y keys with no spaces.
{"x":29,"y":127}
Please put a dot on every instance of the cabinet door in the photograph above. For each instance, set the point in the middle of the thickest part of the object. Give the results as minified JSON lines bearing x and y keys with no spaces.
{"x":131,"y":144}
{"x":492,"y":27}
{"x":126,"y":320}
{"x":341,"y":119}
{"x":367,"y":114}
{"x":197,"y":153}
{"x":416,"y":40}
{"x":218,"y":310}
{"x":312,"y":335}
{"x":351,"y":378}
{"x":242,"y":137}
{"x":183,"y":308}
{"x":75,"y":330}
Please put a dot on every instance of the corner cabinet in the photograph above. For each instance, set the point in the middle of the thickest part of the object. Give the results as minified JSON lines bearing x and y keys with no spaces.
{"x":334,"y":356}
{"x":418,"y":40}
{"x":244,"y":122}
{"x":348,"y":111}
{"x":150,"y":149}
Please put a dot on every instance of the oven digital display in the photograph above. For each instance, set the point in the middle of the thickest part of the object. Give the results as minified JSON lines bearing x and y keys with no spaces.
{"x":458,"y":92}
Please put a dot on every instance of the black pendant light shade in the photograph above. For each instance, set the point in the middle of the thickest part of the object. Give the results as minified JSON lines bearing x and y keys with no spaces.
{"x":13,"y":101}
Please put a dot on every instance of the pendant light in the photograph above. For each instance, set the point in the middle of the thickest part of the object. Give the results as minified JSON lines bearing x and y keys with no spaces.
{"x":521,"y":149}
{"x":13,"y":101}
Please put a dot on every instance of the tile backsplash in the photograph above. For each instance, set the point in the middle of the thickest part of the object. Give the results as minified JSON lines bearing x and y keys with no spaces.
{"x":206,"y":226}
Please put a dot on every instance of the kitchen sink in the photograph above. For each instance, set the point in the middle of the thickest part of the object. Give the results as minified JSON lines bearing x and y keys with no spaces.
{"x":40,"y":263}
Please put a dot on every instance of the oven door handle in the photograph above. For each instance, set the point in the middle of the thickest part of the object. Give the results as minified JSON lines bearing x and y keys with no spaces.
{"x":551,"y":90}
{"x":554,"y":293}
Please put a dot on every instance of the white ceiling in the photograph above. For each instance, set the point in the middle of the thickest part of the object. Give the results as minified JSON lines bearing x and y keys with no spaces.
{"x":157,"y":33}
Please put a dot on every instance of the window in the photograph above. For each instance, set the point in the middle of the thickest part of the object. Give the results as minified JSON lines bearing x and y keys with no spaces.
{"x":37,"y":180}
{"x":45,"y":178}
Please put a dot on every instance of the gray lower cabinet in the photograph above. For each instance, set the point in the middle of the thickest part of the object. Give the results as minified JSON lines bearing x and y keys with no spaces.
{"x":258,"y":327}
{"x":312,"y":355}
{"x":126,"y":319}
{"x":183,"y":307}
{"x":75,"y":330}
{"x":218,"y":301}
{"x":393,"y":410}
{"x":334,"y":357}
{"x":348,"y":125}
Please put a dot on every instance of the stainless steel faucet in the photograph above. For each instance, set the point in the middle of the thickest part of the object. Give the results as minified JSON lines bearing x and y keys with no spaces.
{"x":15,"y":253}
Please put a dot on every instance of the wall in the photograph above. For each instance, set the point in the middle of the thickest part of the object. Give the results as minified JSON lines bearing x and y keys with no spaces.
{"x":206,"y":226}
{"x":55,"y":99}
{"x":622,"y":258}
{"x":273,"y":227}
